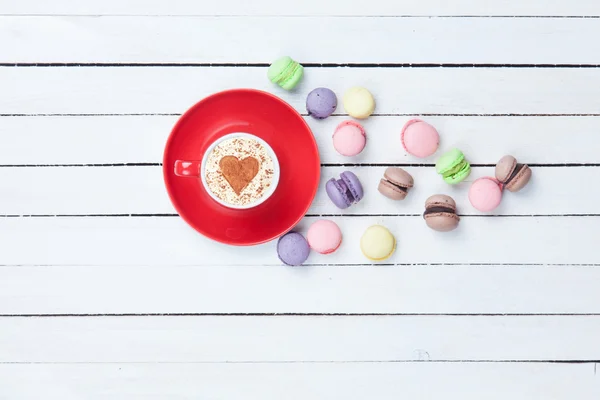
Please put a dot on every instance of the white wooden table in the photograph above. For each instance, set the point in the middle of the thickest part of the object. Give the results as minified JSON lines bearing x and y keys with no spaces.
{"x":105,"y":293}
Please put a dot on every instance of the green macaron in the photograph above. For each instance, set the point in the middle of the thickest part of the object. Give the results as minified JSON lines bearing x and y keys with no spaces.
{"x":453,"y":166}
{"x":285,"y":72}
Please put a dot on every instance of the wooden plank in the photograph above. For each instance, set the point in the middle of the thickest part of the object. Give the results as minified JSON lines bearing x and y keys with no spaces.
{"x":414,"y":40}
{"x":405,"y":91}
{"x":315,"y":339}
{"x":416,"y":289}
{"x":140,"y":190}
{"x":167,"y":241}
{"x":309,"y":7}
{"x":353,"y":381}
{"x":125,"y":139}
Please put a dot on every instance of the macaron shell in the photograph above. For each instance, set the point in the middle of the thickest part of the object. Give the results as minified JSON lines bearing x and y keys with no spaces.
{"x":294,"y":78}
{"x":399,"y":177}
{"x":419,"y":138}
{"x":353,"y":184}
{"x":459,"y":176}
{"x":520,"y":180}
{"x":505,"y":168}
{"x":442,"y":222}
{"x":440,"y":200}
{"x":277,"y":68}
{"x":449,"y":160}
{"x":485,"y":194}
{"x":390,"y":191}
{"x":337,"y":194}
{"x":349,"y":138}
{"x":324,"y":236}
{"x":321,"y":103}
{"x":358,"y":102}
{"x":285,"y":72}
{"x":293,"y":249}
{"x":377,"y":243}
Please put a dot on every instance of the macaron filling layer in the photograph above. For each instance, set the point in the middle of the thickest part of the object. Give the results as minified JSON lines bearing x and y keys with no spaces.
{"x":342,"y":188}
{"x":459,"y":172}
{"x":350,"y":190}
{"x":402,"y":188}
{"x":455,"y":169}
{"x":515,"y":172}
{"x":345,"y":189}
{"x":439,"y":209}
{"x":288,"y":73}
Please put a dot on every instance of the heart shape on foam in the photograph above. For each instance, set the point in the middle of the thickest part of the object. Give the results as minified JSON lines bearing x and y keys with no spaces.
{"x":238,"y":173}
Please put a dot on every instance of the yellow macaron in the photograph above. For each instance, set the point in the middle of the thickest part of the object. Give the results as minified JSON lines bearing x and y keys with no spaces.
{"x":377,"y":243}
{"x":358,"y":102}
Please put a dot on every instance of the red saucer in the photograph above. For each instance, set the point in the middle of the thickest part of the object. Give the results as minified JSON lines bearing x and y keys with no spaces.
{"x":263,"y":115}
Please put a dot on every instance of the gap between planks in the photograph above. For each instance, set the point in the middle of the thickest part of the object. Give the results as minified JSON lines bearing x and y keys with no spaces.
{"x":514,"y":264}
{"x":444,"y":16}
{"x":305,"y":115}
{"x":173,"y":215}
{"x":145,"y":315}
{"x":533,"y":361}
{"x":306,"y":65}
{"x":413,"y":165}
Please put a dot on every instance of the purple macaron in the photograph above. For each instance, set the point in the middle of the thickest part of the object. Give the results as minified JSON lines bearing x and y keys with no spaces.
{"x":292,"y":248}
{"x":321,"y":103}
{"x":345,"y":191}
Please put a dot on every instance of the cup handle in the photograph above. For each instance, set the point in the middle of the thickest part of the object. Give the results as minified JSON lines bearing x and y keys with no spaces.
{"x":187,"y":168}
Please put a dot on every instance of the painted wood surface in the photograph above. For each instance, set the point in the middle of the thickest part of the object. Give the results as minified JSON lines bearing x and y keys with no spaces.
{"x":316,"y":40}
{"x":404,"y":91}
{"x":375,"y":8}
{"x":106,"y":293}
{"x":127,"y":139}
{"x":140,"y":190}
{"x":450,"y":289}
{"x":142,"y":240}
{"x":267,"y":339}
{"x":495,"y":381}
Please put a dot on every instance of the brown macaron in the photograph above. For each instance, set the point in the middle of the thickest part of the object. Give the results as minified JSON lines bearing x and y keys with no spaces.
{"x":514,"y":176}
{"x":440,"y":213}
{"x":395,"y":183}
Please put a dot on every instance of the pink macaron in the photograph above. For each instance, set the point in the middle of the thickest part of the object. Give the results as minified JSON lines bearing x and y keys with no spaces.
{"x":485,"y":194}
{"x":419,"y":138}
{"x":324,"y":236}
{"x":349,"y":138}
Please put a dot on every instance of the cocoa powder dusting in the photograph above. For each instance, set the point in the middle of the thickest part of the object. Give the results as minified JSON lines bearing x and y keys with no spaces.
{"x":240,"y":148}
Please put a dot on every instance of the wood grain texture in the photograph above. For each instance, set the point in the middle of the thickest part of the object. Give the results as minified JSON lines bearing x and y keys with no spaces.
{"x":355,"y":381}
{"x":397,"y":90}
{"x":168,"y":241}
{"x":275,"y":289}
{"x":308,"y":8}
{"x":413,"y":40}
{"x":141,"y":139}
